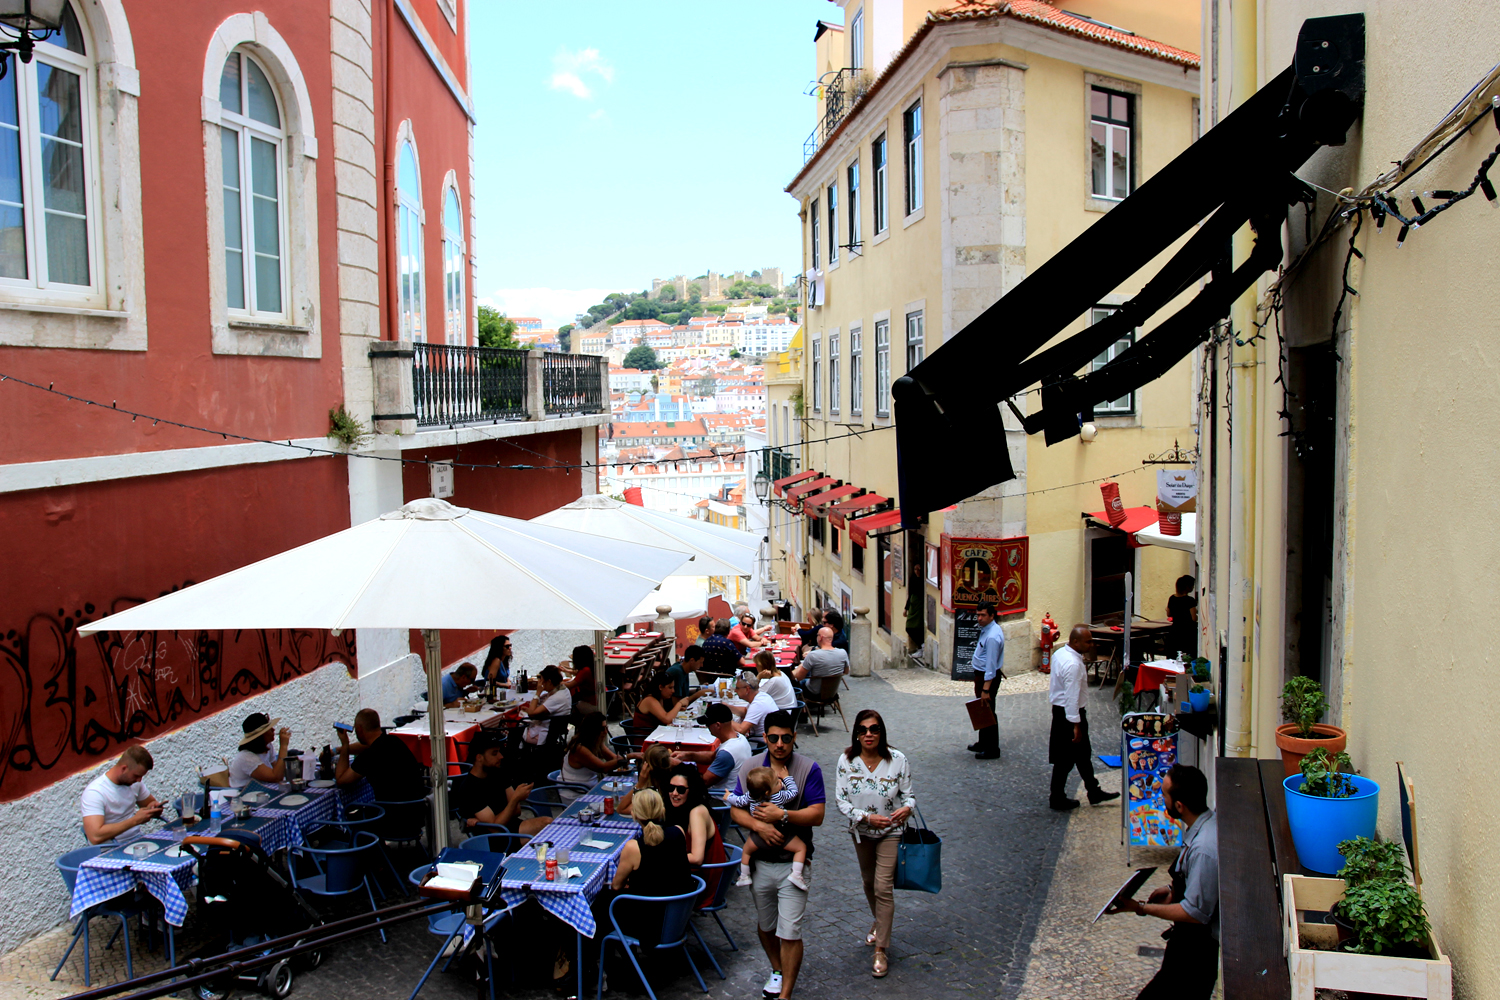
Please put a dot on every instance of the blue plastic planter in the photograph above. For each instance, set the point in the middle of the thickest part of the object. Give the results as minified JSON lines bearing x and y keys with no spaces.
{"x":1200,"y":700}
{"x":1319,"y":824}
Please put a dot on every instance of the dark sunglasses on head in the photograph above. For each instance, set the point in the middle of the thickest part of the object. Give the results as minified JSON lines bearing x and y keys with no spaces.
{"x":874,"y":730}
{"x":779,"y":737}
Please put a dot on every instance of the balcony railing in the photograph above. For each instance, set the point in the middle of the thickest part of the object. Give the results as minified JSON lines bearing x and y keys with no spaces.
{"x":452,"y":384}
{"x":420,"y":385}
{"x":841,"y":91}
{"x":574,"y":383}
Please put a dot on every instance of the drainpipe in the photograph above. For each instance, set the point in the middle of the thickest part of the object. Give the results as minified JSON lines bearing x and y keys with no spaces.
{"x":1244,"y":360}
{"x":388,"y":182}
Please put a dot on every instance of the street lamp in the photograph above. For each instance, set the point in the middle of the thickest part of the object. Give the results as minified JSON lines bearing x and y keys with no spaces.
{"x":763,"y":494}
{"x":27,"y":22}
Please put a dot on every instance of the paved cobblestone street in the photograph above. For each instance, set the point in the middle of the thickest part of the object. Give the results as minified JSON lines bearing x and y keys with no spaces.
{"x":1020,"y":883}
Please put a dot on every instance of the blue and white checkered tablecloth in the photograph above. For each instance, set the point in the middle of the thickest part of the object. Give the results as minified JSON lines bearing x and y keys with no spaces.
{"x":568,"y":835}
{"x":569,"y":901}
{"x":168,"y":879}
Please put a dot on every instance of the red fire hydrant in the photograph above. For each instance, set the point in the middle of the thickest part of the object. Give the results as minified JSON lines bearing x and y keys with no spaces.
{"x":1048,"y":638}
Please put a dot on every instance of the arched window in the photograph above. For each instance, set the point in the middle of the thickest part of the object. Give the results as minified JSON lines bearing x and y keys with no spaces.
{"x":409,"y":244}
{"x":254,"y":155}
{"x":49,"y":226}
{"x":453,"y":269}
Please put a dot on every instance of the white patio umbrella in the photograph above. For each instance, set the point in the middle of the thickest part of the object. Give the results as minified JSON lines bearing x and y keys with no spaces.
{"x":717,"y":550}
{"x":429,"y":565}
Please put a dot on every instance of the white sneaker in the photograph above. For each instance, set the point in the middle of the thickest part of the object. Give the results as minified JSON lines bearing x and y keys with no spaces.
{"x":773,"y":985}
{"x":744,"y":878}
{"x":797,"y":879}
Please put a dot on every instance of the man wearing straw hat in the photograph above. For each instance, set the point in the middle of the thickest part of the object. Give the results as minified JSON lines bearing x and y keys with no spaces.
{"x":256,"y":761}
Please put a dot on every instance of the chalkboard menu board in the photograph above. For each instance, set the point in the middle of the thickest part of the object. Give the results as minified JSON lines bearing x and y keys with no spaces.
{"x":965,"y":639}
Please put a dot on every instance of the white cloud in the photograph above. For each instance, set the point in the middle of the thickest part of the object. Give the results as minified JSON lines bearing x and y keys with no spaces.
{"x":569,"y":69}
{"x":596,"y":115}
{"x":555,"y":306}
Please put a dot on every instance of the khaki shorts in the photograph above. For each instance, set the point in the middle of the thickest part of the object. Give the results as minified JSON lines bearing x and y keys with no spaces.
{"x":779,"y":905}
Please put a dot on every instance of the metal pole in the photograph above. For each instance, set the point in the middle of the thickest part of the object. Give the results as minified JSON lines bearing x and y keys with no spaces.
{"x":1129,"y":604}
{"x":438,"y":730}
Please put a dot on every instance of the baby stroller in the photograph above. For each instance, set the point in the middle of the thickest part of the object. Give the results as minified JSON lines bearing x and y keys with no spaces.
{"x":245,"y":900}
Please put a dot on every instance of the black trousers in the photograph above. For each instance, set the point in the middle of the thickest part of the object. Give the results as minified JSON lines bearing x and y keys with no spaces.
{"x":1066,"y":755}
{"x":989,"y":736}
{"x":1190,"y":967}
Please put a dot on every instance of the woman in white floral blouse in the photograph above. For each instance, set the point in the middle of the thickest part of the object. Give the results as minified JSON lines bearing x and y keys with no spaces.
{"x":874,"y":794}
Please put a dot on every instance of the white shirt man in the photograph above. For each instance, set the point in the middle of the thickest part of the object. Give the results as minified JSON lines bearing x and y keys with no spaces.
{"x":761,"y":705}
{"x":1068,"y":745}
{"x":118,"y":800}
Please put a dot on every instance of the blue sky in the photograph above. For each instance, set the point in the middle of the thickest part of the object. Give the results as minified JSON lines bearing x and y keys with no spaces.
{"x":617,"y":142}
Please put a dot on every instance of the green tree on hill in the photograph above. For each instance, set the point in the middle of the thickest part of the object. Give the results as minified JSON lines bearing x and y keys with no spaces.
{"x":495,"y":329}
{"x":565,"y":336}
{"x":643,"y":358}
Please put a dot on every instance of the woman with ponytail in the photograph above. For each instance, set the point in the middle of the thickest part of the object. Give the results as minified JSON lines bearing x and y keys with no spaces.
{"x":653,"y":863}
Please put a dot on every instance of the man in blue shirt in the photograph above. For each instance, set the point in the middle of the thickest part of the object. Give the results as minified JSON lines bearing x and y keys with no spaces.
{"x":989,"y":658}
{"x":457,"y":682}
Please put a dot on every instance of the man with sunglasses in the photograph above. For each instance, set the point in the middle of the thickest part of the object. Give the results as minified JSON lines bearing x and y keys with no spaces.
{"x":780,"y":905}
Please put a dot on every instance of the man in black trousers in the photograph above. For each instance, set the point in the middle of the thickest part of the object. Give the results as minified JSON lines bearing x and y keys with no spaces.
{"x":1069,"y":745}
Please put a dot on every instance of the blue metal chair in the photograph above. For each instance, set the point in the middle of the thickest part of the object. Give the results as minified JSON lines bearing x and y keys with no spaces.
{"x":405,"y":823}
{"x":368,"y":817}
{"x":448,"y":926}
{"x":676,"y":912}
{"x":549,"y":800}
{"x":342,"y":871}
{"x":502,"y":842}
{"x":67,"y":867}
{"x":719,"y":900}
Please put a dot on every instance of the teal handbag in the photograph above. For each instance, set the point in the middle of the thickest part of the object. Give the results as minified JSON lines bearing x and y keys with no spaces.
{"x":919,"y":858}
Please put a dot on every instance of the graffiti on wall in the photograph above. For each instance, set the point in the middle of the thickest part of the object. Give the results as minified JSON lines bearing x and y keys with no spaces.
{"x":69,"y":701}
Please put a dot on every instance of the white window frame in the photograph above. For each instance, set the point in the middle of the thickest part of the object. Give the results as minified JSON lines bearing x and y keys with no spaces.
{"x":833,"y":372}
{"x":856,"y":370}
{"x":1117,"y":134}
{"x":851,"y":180}
{"x":916,"y":337}
{"x":857,"y":40}
{"x":247,"y":129}
{"x":817,"y":374}
{"x":1125,"y":406}
{"x":815,"y":232}
{"x":880,"y":165}
{"x":911,"y":137}
{"x":36,"y":287}
{"x":455,"y":268}
{"x":295,"y":333}
{"x":882,"y":367}
{"x":411,"y":318}
{"x":831,"y":194}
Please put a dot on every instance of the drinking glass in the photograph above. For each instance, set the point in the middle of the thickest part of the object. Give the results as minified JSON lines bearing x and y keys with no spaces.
{"x":562,"y":856}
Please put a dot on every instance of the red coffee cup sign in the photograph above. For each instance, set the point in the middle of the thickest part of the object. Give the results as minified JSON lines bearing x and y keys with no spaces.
{"x":1169,"y":522}
{"x":1113,"y":508}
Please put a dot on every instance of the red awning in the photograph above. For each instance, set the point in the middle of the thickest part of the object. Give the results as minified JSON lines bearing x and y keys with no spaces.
{"x":829,"y":496}
{"x":782,"y":484}
{"x":839,"y":511}
{"x":811,"y":486}
{"x":859,"y":530}
{"x":1136,"y":518}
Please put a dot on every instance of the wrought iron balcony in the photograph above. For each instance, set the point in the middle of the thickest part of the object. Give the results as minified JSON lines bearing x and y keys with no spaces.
{"x":842,"y":89}
{"x":419,"y":385}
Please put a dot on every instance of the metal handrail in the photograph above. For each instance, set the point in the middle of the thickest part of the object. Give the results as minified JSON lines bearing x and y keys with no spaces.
{"x":453,"y":384}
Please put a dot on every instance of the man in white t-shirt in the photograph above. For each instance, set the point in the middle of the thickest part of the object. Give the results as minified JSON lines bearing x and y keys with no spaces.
{"x":256,"y":761}
{"x":118,"y":801}
{"x":552,"y":701}
{"x":724,"y":760}
{"x":747,"y":686}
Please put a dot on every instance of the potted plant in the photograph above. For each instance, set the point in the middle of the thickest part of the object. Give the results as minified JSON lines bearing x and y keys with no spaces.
{"x":1302,"y":705}
{"x":1380,"y":912}
{"x":1326,"y":806}
{"x":1198,"y":697}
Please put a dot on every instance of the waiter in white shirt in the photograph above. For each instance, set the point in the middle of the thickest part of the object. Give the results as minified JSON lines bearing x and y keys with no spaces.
{"x":1069,"y":745}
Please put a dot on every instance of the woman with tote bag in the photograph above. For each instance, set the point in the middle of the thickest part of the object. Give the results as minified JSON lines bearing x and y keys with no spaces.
{"x":874,"y":794}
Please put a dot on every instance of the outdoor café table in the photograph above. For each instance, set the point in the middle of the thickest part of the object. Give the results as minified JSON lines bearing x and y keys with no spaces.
{"x":683,"y":738}
{"x":117,"y":871}
{"x":1150,"y":676}
{"x":418,"y":735}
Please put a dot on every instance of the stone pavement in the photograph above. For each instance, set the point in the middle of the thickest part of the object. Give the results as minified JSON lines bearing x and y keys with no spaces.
{"x":1020,"y":883}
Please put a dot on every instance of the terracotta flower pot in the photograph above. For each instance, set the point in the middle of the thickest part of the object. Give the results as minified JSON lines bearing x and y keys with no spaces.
{"x":1293,"y":747}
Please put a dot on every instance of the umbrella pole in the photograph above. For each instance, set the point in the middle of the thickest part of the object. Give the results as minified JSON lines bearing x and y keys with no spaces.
{"x":433,"y":639}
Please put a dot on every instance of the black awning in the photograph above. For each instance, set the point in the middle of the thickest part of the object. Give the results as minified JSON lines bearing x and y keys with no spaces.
{"x":1241,"y":171}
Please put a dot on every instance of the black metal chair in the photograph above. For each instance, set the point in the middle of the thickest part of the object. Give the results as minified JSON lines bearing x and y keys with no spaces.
{"x":825,"y":697}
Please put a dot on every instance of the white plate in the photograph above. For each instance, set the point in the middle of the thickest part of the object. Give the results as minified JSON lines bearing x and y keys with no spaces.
{"x":141,"y":849}
{"x":293,"y":800}
{"x":175,"y":852}
{"x":255,"y":798}
{"x":322,"y":783}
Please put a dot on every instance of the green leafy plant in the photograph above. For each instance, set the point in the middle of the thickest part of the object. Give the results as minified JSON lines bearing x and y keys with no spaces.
{"x":1200,"y":669}
{"x":1199,"y":689}
{"x":1387,"y":916}
{"x":1366,"y":860}
{"x":343,"y":427}
{"x":1321,"y":776}
{"x":1303,"y":703}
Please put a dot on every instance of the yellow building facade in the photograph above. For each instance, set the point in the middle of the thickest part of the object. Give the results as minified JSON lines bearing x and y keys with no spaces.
{"x":965,"y":159}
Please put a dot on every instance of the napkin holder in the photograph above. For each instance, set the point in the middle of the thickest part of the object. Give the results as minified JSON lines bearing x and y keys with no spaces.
{"x":452,"y":882}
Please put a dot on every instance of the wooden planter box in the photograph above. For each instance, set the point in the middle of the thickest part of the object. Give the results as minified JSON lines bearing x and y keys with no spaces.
{"x":1341,"y":970}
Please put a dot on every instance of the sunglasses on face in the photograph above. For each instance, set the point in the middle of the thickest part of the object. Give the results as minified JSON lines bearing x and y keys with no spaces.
{"x":678,"y":789}
{"x":779,"y":737}
{"x":873,"y":730}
